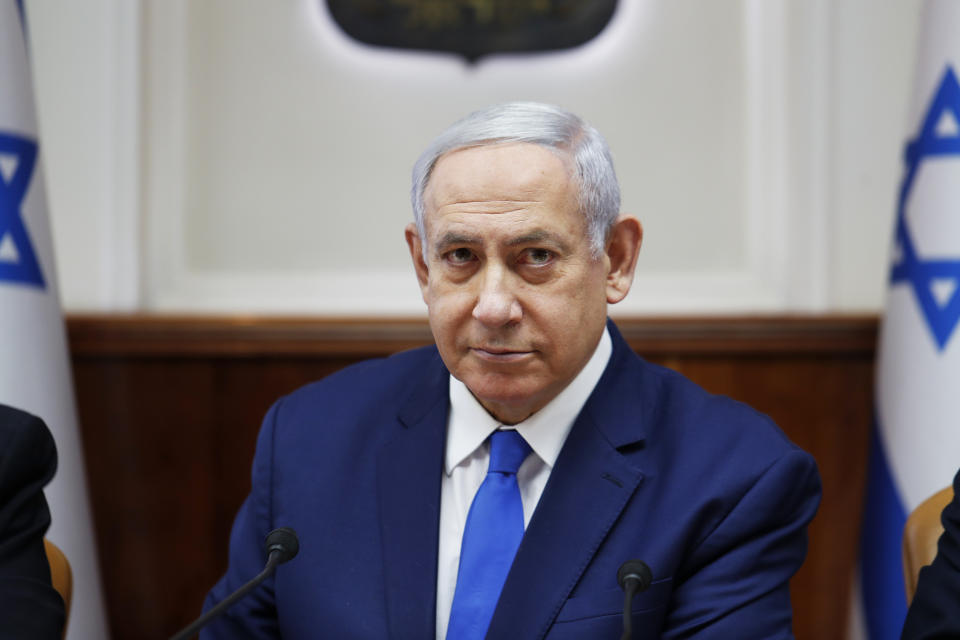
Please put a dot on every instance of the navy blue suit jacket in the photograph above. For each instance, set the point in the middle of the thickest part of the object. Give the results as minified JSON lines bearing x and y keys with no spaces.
{"x":708,"y":492}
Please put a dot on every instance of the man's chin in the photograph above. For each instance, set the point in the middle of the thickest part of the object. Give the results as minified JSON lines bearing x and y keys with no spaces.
{"x":509,"y":401}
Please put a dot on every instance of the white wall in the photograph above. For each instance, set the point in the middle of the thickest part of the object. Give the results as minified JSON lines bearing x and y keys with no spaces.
{"x":245,"y":156}
{"x":85,"y":80}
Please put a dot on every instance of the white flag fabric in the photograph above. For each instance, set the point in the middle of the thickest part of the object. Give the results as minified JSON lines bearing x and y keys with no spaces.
{"x":34,"y":366}
{"x":915,"y":448}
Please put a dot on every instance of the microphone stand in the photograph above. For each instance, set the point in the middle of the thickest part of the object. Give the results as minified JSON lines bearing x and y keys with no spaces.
{"x":633,"y":576}
{"x":200,"y":622}
{"x":281,"y":546}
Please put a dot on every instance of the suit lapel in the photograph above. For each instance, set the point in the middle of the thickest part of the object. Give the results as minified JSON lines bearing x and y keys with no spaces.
{"x":589,"y":486}
{"x":409,"y":470}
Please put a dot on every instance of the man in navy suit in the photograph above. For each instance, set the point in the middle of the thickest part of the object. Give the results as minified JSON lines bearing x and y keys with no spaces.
{"x":519,"y":246}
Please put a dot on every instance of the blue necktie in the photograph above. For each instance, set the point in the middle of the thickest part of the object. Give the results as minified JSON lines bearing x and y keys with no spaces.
{"x":490,"y":539}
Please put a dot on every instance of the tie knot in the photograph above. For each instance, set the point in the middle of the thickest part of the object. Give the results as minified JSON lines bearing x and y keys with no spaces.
{"x":508,"y":450}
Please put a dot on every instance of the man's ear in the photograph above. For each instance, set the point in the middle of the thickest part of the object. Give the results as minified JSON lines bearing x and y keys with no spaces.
{"x":623,"y":246}
{"x":416,"y":254}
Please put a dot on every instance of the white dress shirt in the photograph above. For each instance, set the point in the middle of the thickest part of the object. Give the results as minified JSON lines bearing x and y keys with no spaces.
{"x":468,"y":454}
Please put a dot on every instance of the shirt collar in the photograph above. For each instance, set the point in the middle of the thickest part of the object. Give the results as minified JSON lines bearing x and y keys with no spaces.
{"x":545,"y":431}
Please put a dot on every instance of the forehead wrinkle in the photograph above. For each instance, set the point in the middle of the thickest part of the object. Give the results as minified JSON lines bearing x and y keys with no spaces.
{"x":487,"y":206}
{"x":457,"y":184}
{"x":498,"y":201}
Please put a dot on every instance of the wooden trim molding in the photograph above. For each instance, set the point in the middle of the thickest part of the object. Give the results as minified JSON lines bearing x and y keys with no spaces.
{"x":254,"y":336}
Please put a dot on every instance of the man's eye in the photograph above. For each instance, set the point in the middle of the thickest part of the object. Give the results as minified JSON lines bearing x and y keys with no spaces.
{"x":537,"y":256}
{"x":460,"y":256}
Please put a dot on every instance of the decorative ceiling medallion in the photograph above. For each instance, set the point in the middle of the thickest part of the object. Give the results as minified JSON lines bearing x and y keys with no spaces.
{"x":473,"y":28}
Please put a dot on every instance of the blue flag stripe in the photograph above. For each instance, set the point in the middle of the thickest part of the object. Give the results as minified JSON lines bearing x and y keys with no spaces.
{"x":884,"y":593}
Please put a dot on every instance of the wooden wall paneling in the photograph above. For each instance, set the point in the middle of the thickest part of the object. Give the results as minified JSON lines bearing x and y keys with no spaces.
{"x":149,"y":485}
{"x":170,"y":409}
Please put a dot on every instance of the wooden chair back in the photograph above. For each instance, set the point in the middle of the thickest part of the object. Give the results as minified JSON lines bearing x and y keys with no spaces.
{"x":61,"y":576}
{"x":920,"y":536}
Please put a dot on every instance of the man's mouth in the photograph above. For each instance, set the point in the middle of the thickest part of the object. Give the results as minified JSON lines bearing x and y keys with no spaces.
{"x":499,"y":354}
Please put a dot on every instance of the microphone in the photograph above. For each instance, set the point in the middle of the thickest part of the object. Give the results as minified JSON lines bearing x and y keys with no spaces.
{"x":284,"y":543}
{"x":634,"y":576}
{"x":281,"y":545}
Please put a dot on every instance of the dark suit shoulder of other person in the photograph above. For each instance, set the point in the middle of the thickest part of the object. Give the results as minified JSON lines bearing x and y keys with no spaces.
{"x":935,"y":611}
{"x":29,"y":605}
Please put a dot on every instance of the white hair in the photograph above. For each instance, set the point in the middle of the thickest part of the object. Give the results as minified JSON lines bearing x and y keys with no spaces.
{"x":545,"y":125}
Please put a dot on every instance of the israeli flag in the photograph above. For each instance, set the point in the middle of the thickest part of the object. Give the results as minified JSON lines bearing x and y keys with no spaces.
{"x":915,"y":445}
{"x":34,"y":366}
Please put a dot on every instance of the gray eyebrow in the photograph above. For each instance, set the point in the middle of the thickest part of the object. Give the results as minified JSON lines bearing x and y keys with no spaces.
{"x":451,"y":238}
{"x":539,"y":236}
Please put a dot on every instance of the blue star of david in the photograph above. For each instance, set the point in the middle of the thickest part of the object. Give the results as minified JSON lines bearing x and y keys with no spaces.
{"x":920,"y":274}
{"x":24,"y":269}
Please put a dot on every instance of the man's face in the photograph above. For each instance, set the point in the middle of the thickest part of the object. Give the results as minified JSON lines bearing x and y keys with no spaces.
{"x":517,"y":301}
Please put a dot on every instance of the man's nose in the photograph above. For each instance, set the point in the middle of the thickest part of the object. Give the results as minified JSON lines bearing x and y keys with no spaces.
{"x":496,"y":304}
